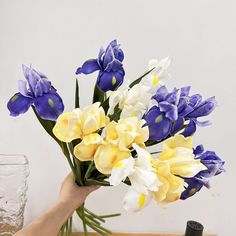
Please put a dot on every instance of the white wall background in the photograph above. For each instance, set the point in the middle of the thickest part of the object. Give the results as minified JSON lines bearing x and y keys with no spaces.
{"x":57,"y":36}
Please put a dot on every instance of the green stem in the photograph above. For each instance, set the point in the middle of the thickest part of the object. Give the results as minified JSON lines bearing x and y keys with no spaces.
{"x":83,"y":220}
{"x":89,"y":182}
{"x":109,"y":216}
{"x":67,"y":155}
{"x":67,"y":227}
{"x":94,"y":215}
{"x":70,"y":225}
{"x":89,"y":170}
{"x":78,"y":176}
{"x":92,"y":218}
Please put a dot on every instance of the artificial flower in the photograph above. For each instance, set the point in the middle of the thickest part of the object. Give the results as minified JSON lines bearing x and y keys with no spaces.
{"x":167,"y":117}
{"x":37,"y":91}
{"x":86,"y":149}
{"x":215,"y":166}
{"x":110,"y":67}
{"x":131,"y":102}
{"x":127,"y":131}
{"x":135,"y":201}
{"x":107,"y":155}
{"x":175,"y":163}
{"x":159,"y":74}
{"x":80,"y":122}
{"x":139,"y":170}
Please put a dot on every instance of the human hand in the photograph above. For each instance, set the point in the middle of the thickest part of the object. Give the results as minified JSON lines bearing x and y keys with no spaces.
{"x":73,"y":195}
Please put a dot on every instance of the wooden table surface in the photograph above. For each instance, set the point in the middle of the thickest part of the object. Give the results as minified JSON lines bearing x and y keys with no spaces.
{"x":133,"y":234}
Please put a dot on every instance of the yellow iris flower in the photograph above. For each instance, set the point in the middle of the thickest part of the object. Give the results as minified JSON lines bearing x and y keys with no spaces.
{"x":127,"y":131}
{"x":176,"y":161}
{"x":79,"y":123}
{"x":86,"y":149}
{"x":107,"y":155}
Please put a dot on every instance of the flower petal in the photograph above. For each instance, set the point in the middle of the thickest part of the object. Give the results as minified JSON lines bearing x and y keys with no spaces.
{"x":110,"y":80}
{"x":19,"y":104}
{"x":49,"y":106}
{"x":190,"y":128}
{"x":68,"y":127}
{"x":88,"y":67}
{"x":107,"y":155}
{"x":22,"y":86}
{"x":134,"y":201}
{"x":121,"y":170}
{"x":86,"y":149}
{"x":159,"y":126}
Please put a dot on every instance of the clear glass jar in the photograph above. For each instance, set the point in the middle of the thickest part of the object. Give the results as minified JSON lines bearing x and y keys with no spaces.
{"x":14,"y":171}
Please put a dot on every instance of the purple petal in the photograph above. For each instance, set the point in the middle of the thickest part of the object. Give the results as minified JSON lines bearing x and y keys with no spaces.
{"x":195,"y":100}
{"x":115,"y":65}
{"x":173,"y":97}
{"x":178,"y":124}
{"x":161,"y":94}
{"x":19,"y":104}
{"x":198,"y":150}
{"x":100,"y":57}
{"x":203,"y":123}
{"x":49,"y":106}
{"x":22,"y":86}
{"x":194,"y":186}
{"x":205,"y":108}
{"x":190,"y":129}
{"x":30,"y":79}
{"x":108,"y":56}
{"x":159,"y":126}
{"x":185,"y":91}
{"x":110,"y":80}
{"x":88,"y":67}
{"x":171,"y":111}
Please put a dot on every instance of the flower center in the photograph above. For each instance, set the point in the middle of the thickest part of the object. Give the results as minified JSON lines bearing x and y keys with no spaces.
{"x":155,"y":80}
{"x":50,"y":102}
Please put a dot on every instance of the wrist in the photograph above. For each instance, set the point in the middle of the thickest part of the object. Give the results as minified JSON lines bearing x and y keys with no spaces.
{"x":70,"y":205}
{"x":64,"y":204}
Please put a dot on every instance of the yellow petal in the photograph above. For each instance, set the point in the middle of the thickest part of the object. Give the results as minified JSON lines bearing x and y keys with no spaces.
{"x":178,"y":141}
{"x":86,"y":149}
{"x":107,"y":155}
{"x":91,"y":125}
{"x":67,"y":127}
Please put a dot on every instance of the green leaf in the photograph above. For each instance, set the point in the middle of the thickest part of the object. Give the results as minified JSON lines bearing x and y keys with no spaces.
{"x":116,"y":115}
{"x":140,"y":78}
{"x":98,"y":95}
{"x":47,"y":125}
{"x":105,"y":105}
{"x":77,"y":94}
{"x":150,"y":143}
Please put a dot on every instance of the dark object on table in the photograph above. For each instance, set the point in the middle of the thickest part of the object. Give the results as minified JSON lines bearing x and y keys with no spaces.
{"x":194,"y":228}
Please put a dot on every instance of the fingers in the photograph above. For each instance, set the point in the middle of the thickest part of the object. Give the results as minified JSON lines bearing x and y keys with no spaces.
{"x":90,"y":189}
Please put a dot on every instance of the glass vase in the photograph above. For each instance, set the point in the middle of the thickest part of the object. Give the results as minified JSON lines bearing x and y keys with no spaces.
{"x":14,"y":171}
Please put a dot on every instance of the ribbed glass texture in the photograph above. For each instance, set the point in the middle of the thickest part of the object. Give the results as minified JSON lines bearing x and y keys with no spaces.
{"x":14,"y":171}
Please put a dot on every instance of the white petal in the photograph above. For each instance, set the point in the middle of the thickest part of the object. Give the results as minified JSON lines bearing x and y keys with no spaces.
{"x":121,"y":170}
{"x":143,"y":180}
{"x":144,"y":157}
{"x":134,"y":201}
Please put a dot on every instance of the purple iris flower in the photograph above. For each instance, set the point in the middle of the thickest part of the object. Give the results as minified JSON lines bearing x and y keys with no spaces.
{"x":38,"y":91}
{"x":214,"y":165}
{"x":159,"y":126}
{"x":110,"y":67}
{"x":177,"y":107}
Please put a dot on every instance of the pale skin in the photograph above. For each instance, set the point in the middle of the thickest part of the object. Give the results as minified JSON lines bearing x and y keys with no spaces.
{"x":70,"y":198}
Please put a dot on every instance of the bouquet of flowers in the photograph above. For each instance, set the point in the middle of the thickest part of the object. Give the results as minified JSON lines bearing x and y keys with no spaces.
{"x":106,"y":143}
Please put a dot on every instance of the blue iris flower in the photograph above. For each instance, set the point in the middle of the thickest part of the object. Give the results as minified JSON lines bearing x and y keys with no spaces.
{"x":38,"y":91}
{"x":167,"y":117}
{"x":215,"y":166}
{"x":110,"y":67}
